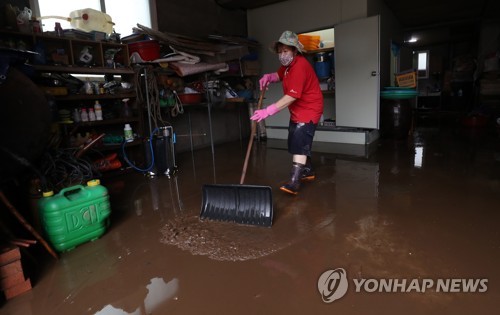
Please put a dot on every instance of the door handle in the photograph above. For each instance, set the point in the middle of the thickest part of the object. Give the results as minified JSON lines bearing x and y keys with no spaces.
{"x":374,"y":73}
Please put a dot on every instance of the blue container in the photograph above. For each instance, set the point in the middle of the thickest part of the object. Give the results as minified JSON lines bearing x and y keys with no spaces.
{"x":75,"y":215}
{"x":322,"y":66}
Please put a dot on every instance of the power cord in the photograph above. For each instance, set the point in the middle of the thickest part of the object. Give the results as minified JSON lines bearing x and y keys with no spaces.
{"x":150,"y":167}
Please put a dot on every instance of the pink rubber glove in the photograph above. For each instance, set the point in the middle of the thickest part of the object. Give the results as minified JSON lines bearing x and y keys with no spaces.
{"x":268,"y":78}
{"x":261,"y":114}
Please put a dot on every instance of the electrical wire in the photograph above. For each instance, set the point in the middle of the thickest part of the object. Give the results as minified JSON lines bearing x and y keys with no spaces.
{"x":178,"y":108}
{"x":150,"y":167}
{"x":61,"y":168}
{"x":150,"y":93}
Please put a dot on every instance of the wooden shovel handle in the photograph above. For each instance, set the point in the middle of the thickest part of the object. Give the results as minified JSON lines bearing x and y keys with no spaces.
{"x":250,"y":142}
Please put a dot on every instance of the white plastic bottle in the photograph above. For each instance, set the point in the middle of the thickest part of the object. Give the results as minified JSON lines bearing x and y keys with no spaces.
{"x":98,"y":110}
{"x":89,"y":20}
{"x":76,"y":115}
{"x":92,"y":116}
{"x":128,"y":133}
{"x":84,"y":115}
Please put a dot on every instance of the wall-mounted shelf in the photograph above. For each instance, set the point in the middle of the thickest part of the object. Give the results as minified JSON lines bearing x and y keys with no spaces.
{"x":91,"y":97}
{"x":320,"y":50}
{"x":83,"y":70}
{"x":63,"y":55}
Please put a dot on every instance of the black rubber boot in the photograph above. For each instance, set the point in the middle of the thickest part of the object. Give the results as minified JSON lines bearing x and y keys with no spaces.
{"x":293,"y":185}
{"x":308,"y":172}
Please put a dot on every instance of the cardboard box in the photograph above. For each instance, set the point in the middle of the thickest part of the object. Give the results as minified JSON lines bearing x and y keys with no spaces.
{"x":251,"y":67}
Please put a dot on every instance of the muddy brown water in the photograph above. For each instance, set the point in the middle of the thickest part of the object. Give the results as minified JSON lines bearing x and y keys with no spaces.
{"x":421,"y":209}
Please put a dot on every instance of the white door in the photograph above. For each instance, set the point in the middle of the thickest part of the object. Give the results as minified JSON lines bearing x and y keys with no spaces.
{"x":357,"y":77}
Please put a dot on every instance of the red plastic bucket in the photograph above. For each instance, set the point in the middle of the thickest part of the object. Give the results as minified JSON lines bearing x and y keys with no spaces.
{"x":148,"y":50}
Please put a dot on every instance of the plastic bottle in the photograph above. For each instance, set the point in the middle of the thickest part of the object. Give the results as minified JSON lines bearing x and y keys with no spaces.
{"x":76,"y":115}
{"x":126,"y":109}
{"x":92,"y":116}
{"x":58,"y":29}
{"x":84,"y":115}
{"x":89,"y":20}
{"x":98,"y":110}
{"x":128,"y":133}
{"x":36,"y":26}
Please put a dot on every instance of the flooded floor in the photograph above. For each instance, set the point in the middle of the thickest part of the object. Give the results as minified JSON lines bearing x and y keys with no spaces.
{"x":411,"y":228}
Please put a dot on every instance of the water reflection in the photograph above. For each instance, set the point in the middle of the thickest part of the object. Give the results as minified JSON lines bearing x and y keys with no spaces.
{"x":163,"y":194}
{"x":357,"y":186}
{"x":419,"y":157}
{"x":159,"y":293}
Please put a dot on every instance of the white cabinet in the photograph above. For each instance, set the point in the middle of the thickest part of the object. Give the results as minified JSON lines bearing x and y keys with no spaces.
{"x":357,"y":84}
{"x":357,"y":78}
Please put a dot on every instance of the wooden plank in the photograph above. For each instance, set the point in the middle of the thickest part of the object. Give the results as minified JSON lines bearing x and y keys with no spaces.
{"x":9,"y":254}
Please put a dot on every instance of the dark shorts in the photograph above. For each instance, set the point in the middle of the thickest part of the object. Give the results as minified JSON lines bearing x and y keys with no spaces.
{"x":300,"y":138}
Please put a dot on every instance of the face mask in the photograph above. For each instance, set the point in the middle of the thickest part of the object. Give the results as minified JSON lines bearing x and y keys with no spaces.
{"x":286,"y":58}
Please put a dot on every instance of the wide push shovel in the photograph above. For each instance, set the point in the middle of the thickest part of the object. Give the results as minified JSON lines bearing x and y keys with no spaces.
{"x":245,"y":204}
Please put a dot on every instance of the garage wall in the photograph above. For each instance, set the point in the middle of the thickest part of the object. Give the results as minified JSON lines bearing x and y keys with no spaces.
{"x":199,"y":18}
{"x":389,"y":30}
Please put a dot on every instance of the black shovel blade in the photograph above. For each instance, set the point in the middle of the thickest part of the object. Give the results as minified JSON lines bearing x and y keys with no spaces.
{"x":244,"y":204}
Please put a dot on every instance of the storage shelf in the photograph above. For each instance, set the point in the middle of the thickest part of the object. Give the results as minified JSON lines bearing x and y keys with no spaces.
{"x":114,"y":147}
{"x":78,"y":97}
{"x":116,"y":121}
{"x":47,"y":53}
{"x":320,"y":50}
{"x":83,"y":70}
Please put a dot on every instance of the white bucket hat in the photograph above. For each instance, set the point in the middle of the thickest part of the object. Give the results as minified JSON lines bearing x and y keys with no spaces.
{"x":288,"y":38}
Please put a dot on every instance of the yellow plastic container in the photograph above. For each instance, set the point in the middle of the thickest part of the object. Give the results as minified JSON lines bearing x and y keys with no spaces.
{"x":89,"y":20}
{"x":75,"y":215}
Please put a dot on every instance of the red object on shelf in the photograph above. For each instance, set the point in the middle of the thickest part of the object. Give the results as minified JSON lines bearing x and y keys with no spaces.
{"x":148,"y":49}
{"x":190,"y":98}
{"x":475,"y":121}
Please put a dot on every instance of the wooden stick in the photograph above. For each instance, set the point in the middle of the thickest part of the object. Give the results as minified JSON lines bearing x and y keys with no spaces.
{"x":32,"y":242}
{"x":27,"y":225}
{"x":250,"y":142}
{"x":19,"y":243}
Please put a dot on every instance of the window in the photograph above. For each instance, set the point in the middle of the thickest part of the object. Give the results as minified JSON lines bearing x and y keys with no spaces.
{"x":125,"y":15}
{"x":422,"y":62}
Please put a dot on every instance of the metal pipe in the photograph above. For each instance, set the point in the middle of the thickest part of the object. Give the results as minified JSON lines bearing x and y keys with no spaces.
{"x":147,"y":99}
